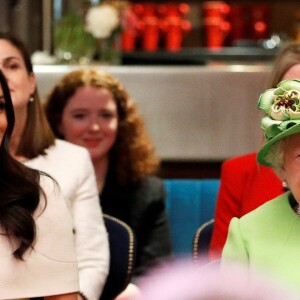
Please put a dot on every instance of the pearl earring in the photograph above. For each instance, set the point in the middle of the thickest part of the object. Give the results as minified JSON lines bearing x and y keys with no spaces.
{"x":285,"y":184}
{"x":31,"y":99}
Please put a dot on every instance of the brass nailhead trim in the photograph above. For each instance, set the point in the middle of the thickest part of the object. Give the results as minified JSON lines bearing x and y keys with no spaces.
{"x":196,"y":238}
{"x":131,"y":242}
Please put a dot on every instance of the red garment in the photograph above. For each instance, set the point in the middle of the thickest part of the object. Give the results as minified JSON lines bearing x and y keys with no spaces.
{"x":245,"y":185}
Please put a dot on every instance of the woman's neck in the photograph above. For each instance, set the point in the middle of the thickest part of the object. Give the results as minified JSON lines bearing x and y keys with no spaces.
{"x":101,"y":167}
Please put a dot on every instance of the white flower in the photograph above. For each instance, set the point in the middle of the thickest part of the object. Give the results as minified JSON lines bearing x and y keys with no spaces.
{"x":102,"y":20}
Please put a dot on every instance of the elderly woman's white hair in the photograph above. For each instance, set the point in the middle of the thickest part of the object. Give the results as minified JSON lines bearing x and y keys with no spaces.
{"x":275,"y":155}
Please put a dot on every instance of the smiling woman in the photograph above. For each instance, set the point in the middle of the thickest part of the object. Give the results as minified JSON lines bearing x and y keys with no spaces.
{"x":268,"y":237}
{"x":92,"y":109}
{"x":92,"y":124}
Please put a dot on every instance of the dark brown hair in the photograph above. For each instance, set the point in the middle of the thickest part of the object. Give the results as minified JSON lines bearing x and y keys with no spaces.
{"x":19,"y":188}
{"x":37,"y":132}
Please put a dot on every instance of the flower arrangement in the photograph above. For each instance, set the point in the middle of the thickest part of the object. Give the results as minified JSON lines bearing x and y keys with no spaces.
{"x":73,"y":44}
{"x":282,"y":103}
{"x":104,"y":24}
{"x":102,"y":20}
{"x":89,"y":33}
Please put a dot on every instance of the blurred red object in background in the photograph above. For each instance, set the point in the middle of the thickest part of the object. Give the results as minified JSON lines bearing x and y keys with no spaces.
{"x":174,"y":25}
{"x":259,"y":21}
{"x":215,"y":14}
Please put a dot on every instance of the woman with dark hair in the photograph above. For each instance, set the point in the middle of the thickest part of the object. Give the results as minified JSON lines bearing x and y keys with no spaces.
{"x":33,"y":143}
{"x":92,"y":109}
{"x":36,"y":242}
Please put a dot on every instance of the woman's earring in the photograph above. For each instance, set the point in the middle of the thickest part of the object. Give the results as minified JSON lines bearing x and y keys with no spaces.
{"x":31,"y":99}
{"x":285,"y":184}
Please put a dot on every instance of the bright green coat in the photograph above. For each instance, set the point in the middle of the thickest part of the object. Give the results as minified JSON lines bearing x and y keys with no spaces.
{"x":267,"y":239}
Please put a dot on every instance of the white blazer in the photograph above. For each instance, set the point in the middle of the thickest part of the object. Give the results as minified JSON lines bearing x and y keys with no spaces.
{"x":51,"y":267}
{"x":71,"y":166}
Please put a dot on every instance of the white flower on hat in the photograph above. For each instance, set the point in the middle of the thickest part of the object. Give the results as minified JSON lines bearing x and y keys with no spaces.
{"x":102,"y":20}
{"x":286,"y":106}
{"x":282,"y":107}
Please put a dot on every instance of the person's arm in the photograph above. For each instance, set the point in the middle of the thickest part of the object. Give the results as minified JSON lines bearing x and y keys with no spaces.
{"x":234,"y":250}
{"x":52,"y":266}
{"x":228,"y":205}
{"x":90,"y":234}
{"x":156,"y":240}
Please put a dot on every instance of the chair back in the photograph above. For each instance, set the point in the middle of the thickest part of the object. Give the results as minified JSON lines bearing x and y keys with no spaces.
{"x":202,"y":241}
{"x":122,"y":256}
{"x":189,"y":203}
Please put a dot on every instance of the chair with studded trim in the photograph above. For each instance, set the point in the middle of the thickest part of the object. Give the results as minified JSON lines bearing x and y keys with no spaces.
{"x":189,"y":204}
{"x":202,"y":240}
{"x":122,"y":256}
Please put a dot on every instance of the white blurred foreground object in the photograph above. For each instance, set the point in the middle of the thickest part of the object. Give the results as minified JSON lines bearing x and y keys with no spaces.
{"x":186,"y":281}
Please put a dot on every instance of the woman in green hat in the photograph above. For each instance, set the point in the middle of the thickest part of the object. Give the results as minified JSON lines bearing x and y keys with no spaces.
{"x":268,"y":238}
{"x":245,"y":184}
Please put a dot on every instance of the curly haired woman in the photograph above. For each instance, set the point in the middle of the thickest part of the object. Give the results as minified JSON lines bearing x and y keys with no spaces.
{"x":92,"y":109}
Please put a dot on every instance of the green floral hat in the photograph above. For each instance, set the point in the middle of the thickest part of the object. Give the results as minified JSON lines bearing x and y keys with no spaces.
{"x":282,"y":108}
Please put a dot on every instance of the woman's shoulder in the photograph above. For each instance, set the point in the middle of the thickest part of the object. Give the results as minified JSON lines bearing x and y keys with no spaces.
{"x":246,"y":167}
{"x":153,"y":184}
{"x":62,"y":155}
{"x":70,"y":165}
{"x":152,"y":180}
{"x":147,"y":191}
{"x":271,"y":222}
{"x":247,"y":161}
{"x":271,"y":211}
{"x":150,"y":192}
{"x":67,"y":150}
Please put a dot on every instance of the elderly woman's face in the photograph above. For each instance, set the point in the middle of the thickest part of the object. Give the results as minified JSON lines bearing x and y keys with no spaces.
{"x":291,"y":164}
{"x":3,"y":119}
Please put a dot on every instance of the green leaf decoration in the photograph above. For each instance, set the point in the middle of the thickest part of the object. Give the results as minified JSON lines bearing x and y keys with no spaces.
{"x":265,"y":100}
{"x":282,"y":107}
{"x":290,"y":85}
{"x":279,"y":91}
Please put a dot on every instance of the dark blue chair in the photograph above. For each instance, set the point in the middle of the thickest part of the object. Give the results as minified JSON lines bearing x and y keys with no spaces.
{"x":202,"y":240}
{"x":189,"y":204}
{"x":122,"y":246}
